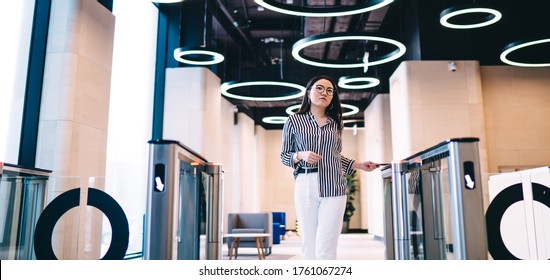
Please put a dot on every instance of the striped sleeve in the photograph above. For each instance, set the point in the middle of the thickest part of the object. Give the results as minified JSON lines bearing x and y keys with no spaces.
{"x":346,"y":165}
{"x":288,"y":150}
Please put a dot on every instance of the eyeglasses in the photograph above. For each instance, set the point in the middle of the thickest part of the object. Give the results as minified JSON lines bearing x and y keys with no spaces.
{"x":321,"y":89}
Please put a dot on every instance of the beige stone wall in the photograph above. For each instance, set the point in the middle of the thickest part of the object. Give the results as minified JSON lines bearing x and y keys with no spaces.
{"x":192,"y":110}
{"x":517,"y":110}
{"x":430,"y":104}
{"x":197,"y":116}
{"x":227,"y":157}
{"x":279,"y":182}
{"x":246,"y":160}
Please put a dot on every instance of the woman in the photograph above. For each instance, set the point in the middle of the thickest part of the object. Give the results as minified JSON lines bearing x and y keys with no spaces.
{"x":312,"y":143}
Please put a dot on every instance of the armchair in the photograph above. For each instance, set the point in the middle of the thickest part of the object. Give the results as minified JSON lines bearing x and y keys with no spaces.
{"x":279,"y":226}
{"x":261,"y":222}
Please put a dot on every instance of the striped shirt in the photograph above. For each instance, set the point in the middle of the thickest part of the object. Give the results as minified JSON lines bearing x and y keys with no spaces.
{"x":302,"y":133}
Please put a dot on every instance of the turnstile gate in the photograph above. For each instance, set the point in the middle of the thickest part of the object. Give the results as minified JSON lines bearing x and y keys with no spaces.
{"x":434,"y":204}
{"x":23,"y":195}
{"x":184,"y":198}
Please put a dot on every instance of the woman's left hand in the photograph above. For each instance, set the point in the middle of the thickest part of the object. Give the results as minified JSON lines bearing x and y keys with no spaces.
{"x":366,"y":165}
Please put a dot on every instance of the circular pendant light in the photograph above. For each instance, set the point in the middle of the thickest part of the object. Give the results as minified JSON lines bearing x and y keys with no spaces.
{"x":298,"y":92}
{"x":274,"y":119}
{"x":198,"y":56}
{"x":357,"y":82}
{"x":351,"y":109}
{"x":166,"y":1}
{"x":491,"y":17}
{"x":352,"y":121}
{"x":294,"y":10}
{"x":331,"y":37}
{"x":514,"y":46}
{"x":292,"y":109}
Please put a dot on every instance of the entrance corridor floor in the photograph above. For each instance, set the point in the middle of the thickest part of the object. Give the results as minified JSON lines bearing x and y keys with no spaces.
{"x":351,"y":246}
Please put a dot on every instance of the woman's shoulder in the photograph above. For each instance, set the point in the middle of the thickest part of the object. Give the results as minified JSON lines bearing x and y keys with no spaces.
{"x":297,"y":116}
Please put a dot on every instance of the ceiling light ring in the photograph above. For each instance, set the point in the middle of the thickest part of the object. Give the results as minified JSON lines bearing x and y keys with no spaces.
{"x":214,"y":57}
{"x":352,"y":121}
{"x":368,"y":82}
{"x":511,"y":47}
{"x":274,"y":119}
{"x":166,"y":1}
{"x":352,"y":109}
{"x":492,"y":16}
{"x":225,"y":87}
{"x":294,"y":10}
{"x":330,"y":37}
{"x":290,"y":109}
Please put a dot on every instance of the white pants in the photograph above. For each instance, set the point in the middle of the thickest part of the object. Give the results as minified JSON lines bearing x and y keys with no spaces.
{"x":319,"y":218}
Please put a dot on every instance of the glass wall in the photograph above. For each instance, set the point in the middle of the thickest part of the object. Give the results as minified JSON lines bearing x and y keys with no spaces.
{"x":130,"y":113}
{"x":15,"y":30}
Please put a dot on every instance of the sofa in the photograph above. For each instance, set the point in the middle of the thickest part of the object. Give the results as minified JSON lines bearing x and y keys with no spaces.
{"x":261,"y":222}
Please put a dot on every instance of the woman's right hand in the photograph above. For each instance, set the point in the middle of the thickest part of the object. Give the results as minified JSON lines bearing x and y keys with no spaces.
{"x":309,"y":157}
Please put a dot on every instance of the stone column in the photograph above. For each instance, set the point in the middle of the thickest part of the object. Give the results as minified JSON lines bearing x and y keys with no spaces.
{"x":378,"y":148}
{"x":72,"y":137}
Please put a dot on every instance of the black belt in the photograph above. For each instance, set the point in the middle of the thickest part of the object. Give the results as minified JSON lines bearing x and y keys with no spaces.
{"x":309,"y":170}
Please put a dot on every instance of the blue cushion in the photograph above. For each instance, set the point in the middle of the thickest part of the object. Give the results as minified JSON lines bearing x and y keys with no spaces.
{"x":279,"y":218}
{"x":276,"y":233}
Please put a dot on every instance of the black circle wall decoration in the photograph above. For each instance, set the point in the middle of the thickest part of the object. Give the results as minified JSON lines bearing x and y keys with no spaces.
{"x":70,"y":199}
{"x":495,"y":212}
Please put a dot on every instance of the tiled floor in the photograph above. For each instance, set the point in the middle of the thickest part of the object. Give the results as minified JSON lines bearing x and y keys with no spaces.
{"x":352,"y":246}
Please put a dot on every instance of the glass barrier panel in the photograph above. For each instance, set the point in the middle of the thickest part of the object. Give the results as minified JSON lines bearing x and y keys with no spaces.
{"x":92,"y":219}
{"x":416,"y":231}
{"x":21,"y":203}
{"x":11,"y":189}
{"x":132,"y":201}
{"x":66,"y":230}
{"x":32,"y":204}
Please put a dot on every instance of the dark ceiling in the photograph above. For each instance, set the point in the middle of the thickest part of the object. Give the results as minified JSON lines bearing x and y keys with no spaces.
{"x":257,"y":43}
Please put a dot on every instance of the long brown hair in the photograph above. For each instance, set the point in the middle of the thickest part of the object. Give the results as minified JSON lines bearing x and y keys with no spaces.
{"x":334,"y":110}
